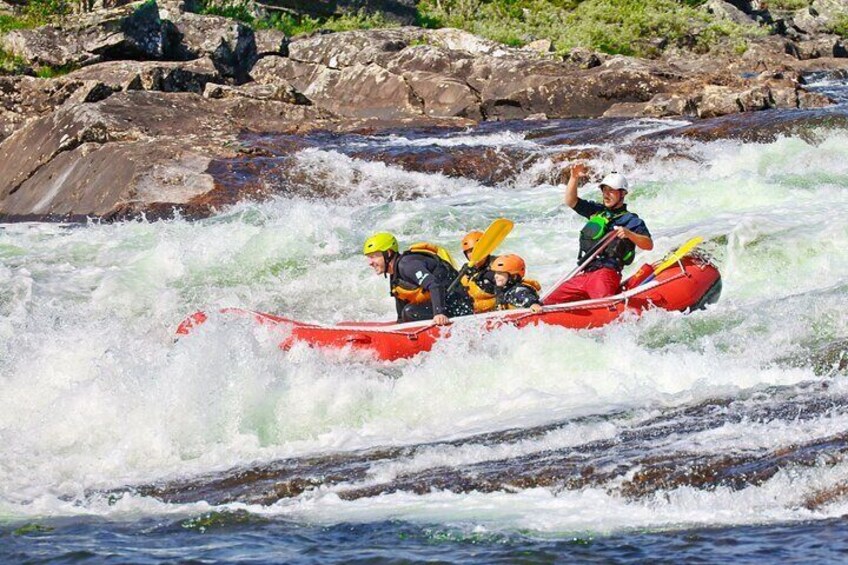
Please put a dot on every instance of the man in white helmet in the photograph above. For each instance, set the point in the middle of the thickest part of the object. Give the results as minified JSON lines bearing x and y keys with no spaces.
{"x":602,"y":276}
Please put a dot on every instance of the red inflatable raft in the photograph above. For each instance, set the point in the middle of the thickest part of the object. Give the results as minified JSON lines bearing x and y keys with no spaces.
{"x":689,"y":285}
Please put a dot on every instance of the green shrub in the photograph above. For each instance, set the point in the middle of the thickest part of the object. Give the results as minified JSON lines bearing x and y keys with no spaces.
{"x":359,"y":20}
{"x":612,"y":26}
{"x":8,"y":23}
{"x":840,"y":26}
{"x":51,"y":72}
{"x":788,"y":4}
{"x":11,"y":64}
{"x":235,"y":10}
{"x":294,"y":25}
{"x":35,"y":13}
{"x":40,"y":12}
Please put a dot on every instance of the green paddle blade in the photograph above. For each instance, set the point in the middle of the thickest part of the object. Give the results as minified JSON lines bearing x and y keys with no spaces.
{"x":677,"y":254}
{"x":494,"y":236}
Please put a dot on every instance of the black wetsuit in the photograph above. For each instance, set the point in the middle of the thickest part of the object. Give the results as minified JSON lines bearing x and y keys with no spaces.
{"x":422,"y":270}
{"x":516,"y":295}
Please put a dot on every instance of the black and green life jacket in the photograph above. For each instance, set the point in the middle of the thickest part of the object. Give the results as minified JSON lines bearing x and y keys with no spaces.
{"x":617,"y":254}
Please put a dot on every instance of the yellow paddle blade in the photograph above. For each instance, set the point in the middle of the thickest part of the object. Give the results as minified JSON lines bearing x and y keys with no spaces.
{"x":494,"y":236}
{"x":677,"y":254}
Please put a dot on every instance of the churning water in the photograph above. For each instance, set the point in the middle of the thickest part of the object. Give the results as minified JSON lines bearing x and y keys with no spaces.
{"x":705,"y":435}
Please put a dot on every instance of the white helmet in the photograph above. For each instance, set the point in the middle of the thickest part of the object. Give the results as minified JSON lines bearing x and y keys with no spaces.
{"x":616,"y":181}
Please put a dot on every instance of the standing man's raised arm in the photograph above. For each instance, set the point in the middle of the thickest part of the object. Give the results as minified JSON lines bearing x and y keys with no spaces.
{"x":578,"y":173}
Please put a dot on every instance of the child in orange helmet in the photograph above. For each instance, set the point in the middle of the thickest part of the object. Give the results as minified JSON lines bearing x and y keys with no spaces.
{"x":479,"y":280}
{"x":513,"y":290}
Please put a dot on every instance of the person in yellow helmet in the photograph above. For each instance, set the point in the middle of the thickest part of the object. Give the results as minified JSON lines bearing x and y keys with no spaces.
{"x":418,"y":280}
{"x":479,"y":279}
{"x":513,"y":290}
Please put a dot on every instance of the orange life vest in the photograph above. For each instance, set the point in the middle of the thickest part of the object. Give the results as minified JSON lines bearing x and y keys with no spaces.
{"x":415,"y":295}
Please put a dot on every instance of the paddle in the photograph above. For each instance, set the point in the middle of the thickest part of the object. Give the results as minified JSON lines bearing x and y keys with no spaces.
{"x":674,"y":257}
{"x":492,"y":237}
{"x":579,"y":268}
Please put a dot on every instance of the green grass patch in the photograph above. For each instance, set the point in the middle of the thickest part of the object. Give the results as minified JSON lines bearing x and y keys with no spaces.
{"x":36,"y":13}
{"x":788,"y":4}
{"x":41,"y":12}
{"x":235,"y":10}
{"x":52,"y":72}
{"x":291,"y":24}
{"x":840,"y":26}
{"x":11,"y":64}
{"x":627,"y":27}
{"x":8,"y":23}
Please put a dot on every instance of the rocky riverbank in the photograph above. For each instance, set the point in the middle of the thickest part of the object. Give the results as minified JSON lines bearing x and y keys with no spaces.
{"x":162,"y":98}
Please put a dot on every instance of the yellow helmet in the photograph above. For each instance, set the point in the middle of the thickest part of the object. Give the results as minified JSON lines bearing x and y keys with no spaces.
{"x":382,"y":241}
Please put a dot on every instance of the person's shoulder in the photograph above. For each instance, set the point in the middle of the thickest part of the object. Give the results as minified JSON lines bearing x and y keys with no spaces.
{"x":587,"y":208}
{"x":632,"y":221}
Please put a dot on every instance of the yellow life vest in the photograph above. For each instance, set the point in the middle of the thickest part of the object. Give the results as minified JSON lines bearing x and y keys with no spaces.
{"x":532,"y":284}
{"x":433,"y":249}
{"x":483,"y":301}
{"x":418,"y":295}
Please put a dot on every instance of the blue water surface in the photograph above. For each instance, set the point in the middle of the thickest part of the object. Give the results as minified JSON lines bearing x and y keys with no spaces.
{"x":247,"y":539}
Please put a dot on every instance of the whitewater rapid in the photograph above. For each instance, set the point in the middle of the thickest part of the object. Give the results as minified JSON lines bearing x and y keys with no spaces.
{"x":95,"y":393}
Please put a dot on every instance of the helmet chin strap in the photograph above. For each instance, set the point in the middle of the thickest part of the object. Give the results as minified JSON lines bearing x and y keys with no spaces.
{"x":386,"y":259}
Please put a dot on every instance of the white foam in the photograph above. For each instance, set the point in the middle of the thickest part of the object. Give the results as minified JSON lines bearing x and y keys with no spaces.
{"x":94,"y":394}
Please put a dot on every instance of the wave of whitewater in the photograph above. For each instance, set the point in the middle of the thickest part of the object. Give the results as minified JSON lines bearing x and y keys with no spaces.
{"x":96,"y":396}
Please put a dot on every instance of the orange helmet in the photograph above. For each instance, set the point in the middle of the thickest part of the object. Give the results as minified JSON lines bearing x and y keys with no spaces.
{"x":510,"y":264}
{"x":470,"y":240}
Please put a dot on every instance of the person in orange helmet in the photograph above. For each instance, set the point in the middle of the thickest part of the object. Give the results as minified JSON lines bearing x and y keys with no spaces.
{"x":512,"y":289}
{"x":479,"y":279}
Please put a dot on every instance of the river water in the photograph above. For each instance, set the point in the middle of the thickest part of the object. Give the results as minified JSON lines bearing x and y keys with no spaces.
{"x":670,"y":437}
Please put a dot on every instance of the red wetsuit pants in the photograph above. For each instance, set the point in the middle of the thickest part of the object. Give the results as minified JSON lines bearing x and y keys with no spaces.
{"x":594,"y":284}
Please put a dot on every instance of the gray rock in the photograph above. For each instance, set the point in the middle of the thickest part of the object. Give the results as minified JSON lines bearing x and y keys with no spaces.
{"x":131,"y":153}
{"x":727,"y":11}
{"x":271,"y":42}
{"x":431,"y":59}
{"x":165,"y":76}
{"x":345,"y":49}
{"x":444,"y":97}
{"x":365,"y":91}
{"x":718,"y":101}
{"x":90,"y":91}
{"x":784,"y":98}
{"x":279,"y":91}
{"x":460,"y":40}
{"x":757,"y":98}
{"x":560,"y":91}
{"x":230,"y":44}
{"x":626,"y":110}
{"x":540,"y":46}
{"x":813,"y":100}
{"x":667,"y":104}
{"x":272,"y":70}
{"x":129,"y":32}
{"x":820,"y":16}
{"x":584,"y":58}
{"x":822,"y":46}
